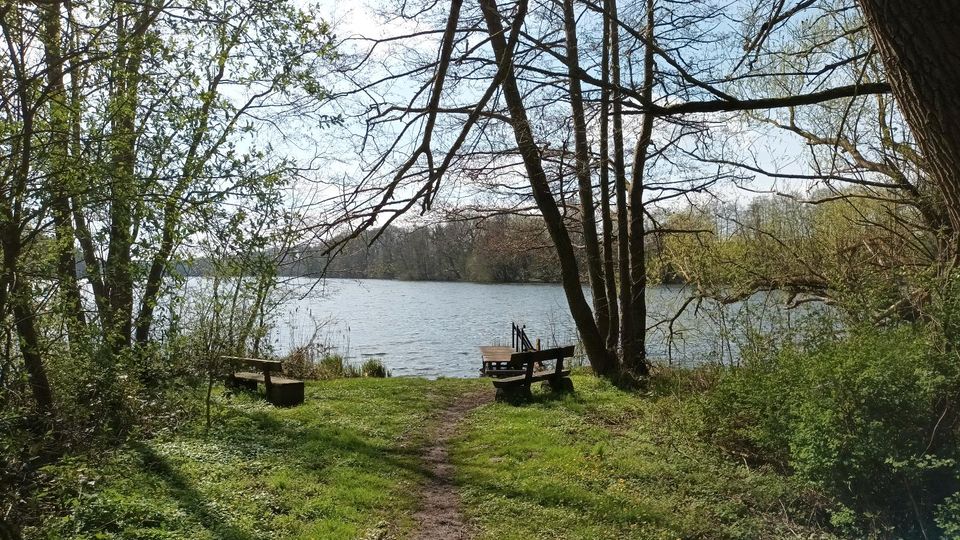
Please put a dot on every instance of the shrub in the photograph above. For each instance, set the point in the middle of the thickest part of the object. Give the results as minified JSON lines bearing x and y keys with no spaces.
{"x":302,"y":363}
{"x":314,"y":362}
{"x":374,"y":367}
{"x":333,"y":366}
{"x":868,"y":418}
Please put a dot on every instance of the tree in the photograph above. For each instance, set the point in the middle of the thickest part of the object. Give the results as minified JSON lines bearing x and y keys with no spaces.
{"x":594,"y":343}
{"x":916,"y":42}
{"x":491,"y":117}
{"x":128,"y":138}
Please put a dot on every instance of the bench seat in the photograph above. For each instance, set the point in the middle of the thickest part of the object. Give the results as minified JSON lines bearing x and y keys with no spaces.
{"x":258,"y":377}
{"x":500,"y":373}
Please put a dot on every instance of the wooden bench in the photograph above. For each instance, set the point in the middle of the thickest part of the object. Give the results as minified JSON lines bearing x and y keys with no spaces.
{"x":281,"y":391}
{"x":518,"y":387}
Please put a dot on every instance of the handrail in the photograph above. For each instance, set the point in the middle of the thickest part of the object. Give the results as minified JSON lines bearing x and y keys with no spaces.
{"x":519,"y":340}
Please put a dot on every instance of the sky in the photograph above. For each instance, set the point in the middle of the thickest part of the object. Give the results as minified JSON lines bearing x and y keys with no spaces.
{"x":352,"y":22}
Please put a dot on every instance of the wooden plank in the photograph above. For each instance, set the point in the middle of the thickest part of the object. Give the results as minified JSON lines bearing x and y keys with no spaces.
{"x":287,"y":394}
{"x":247,"y":376}
{"x":521,"y":380}
{"x":504,"y":372}
{"x":484,"y":349}
{"x":494,"y":353}
{"x":540,"y":356}
{"x":273,"y":365}
{"x":499,"y":364}
{"x":284,"y":380}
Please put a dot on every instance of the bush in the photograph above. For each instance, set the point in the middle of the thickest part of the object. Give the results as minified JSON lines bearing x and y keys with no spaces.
{"x":374,"y":368}
{"x":313,"y":362}
{"x":868,"y":418}
{"x":302,"y":363}
{"x":333,"y":366}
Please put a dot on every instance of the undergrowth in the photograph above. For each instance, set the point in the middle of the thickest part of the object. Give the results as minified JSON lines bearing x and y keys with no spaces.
{"x":870,"y":419}
{"x":313,"y":363}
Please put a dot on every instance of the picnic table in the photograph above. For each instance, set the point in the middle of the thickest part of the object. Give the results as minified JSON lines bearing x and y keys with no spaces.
{"x":496,"y":361}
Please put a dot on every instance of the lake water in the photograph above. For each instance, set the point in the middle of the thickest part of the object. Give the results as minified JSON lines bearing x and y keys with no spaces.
{"x":433,"y":329}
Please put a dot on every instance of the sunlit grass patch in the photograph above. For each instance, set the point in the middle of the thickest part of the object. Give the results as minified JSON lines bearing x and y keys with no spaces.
{"x":343,"y":465}
{"x":601,"y":463}
{"x":604,"y":463}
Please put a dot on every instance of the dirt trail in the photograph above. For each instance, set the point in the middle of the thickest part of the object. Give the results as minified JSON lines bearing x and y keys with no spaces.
{"x":439,"y":515}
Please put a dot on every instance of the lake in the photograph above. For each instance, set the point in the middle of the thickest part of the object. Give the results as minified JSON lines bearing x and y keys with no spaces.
{"x":434,"y":329}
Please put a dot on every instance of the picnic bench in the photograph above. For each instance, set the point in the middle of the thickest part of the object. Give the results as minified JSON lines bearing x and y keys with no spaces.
{"x":281,"y":391}
{"x":517,"y":387}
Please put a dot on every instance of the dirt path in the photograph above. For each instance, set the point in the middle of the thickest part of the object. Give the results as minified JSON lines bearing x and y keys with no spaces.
{"x":439,"y":516}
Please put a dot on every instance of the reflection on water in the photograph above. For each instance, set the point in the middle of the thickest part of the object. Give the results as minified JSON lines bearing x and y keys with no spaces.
{"x":434,"y":329}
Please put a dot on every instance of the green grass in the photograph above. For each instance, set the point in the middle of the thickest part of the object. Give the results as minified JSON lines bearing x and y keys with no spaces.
{"x":343,"y":465}
{"x":601,"y":463}
{"x":604,"y":463}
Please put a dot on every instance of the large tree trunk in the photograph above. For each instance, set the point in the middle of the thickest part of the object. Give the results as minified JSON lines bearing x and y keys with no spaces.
{"x":119,"y":267}
{"x":613,"y":329}
{"x":61,"y":179}
{"x":118,"y":270}
{"x":16,"y":295}
{"x":601,"y":361}
{"x":627,"y":342}
{"x":23,"y":314}
{"x":582,"y":151}
{"x":637,"y":362}
{"x":919,"y":44}
{"x":15,"y":290}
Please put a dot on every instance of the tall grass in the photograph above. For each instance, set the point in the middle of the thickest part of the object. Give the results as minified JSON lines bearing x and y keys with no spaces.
{"x":315,"y":362}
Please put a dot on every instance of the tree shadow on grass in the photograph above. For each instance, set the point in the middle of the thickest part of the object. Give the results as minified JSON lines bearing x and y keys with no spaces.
{"x":301,"y":443}
{"x":306,"y":449}
{"x":544,"y":396}
{"x":190,"y":500}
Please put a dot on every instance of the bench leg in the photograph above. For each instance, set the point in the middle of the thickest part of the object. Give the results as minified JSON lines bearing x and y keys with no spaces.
{"x":562,"y":385}
{"x":285,"y":395}
{"x":513,"y":394}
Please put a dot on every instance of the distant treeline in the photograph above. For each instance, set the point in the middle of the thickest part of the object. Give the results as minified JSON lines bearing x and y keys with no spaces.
{"x":499,"y":249}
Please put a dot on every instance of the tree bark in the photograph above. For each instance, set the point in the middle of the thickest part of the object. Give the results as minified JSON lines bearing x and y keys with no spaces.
{"x":119,"y":267}
{"x":613,"y":328}
{"x":601,"y":362}
{"x":582,"y":151}
{"x":620,"y":172}
{"x":60,"y":176}
{"x":637,"y":362}
{"x":15,"y":290}
{"x":919,"y":44}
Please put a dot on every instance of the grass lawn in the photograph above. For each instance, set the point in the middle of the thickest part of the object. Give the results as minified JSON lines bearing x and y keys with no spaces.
{"x":599,"y":464}
{"x":343,"y":465}
{"x":603,"y":463}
